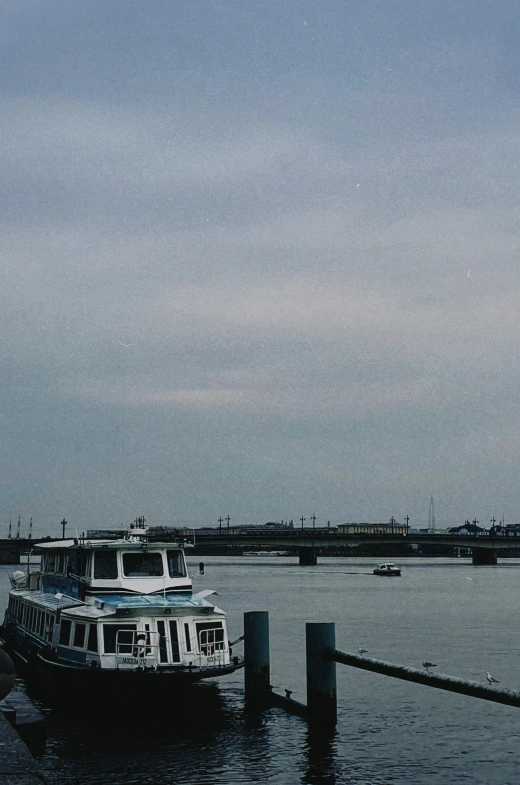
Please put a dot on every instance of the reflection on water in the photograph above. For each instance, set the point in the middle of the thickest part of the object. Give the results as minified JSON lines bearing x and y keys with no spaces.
{"x":320,"y":750}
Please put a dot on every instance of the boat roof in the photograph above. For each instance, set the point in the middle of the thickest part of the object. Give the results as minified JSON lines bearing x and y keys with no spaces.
{"x":154,"y":601}
{"x":44,"y":600}
{"x":117,"y":544}
{"x":108,"y":605}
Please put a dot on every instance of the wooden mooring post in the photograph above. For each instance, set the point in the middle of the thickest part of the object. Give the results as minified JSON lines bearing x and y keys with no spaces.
{"x":321,"y":659}
{"x":320,"y":638}
{"x":256,"y":655}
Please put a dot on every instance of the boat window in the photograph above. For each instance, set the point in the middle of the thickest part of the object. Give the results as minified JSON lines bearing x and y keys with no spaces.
{"x":83,"y":563}
{"x":176,"y":565}
{"x":163,"y":651}
{"x":211,"y":637}
{"x":187,"y":636}
{"x":79,"y":634}
{"x":92,"y":644}
{"x":65,"y":632}
{"x":110,"y":633}
{"x":105,"y":564}
{"x":143,"y":565}
{"x":174,"y":639}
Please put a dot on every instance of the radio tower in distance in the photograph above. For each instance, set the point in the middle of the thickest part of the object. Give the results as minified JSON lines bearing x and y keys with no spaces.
{"x":431,"y":516}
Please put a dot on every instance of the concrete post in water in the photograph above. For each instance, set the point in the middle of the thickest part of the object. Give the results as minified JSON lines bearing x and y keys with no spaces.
{"x":482,"y":556}
{"x":321,"y":673}
{"x":308,"y":556}
{"x":256,"y":655}
{"x":6,"y":674}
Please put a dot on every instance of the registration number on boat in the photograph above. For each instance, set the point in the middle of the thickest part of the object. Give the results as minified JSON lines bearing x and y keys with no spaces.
{"x":133,"y":661}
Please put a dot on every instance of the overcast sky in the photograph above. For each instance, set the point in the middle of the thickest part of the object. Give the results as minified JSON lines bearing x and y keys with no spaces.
{"x":259,"y":259}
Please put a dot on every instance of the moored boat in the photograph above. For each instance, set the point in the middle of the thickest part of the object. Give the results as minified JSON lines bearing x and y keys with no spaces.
{"x":388,"y":568}
{"x":266,"y":553}
{"x":115,"y":614}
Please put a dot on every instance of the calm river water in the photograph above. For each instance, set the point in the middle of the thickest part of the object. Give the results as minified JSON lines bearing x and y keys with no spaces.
{"x":464,"y":618}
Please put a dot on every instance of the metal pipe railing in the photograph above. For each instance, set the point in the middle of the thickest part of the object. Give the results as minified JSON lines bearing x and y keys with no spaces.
{"x":440,"y":681}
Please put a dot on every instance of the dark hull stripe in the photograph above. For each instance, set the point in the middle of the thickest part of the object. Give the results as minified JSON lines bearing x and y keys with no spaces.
{"x":93,"y":592}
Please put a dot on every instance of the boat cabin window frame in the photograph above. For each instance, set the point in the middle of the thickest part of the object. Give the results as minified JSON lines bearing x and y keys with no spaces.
{"x":135,"y":564}
{"x":65,"y":627}
{"x":54,"y":562}
{"x":210,"y":637}
{"x":48,"y":626}
{"x":176,"y":563}
{"x":79,"y":635}
{"x":83,"y":563}
{"x":110,"y":631}
{"x":105,"y":560}
{"x":92,"y":638}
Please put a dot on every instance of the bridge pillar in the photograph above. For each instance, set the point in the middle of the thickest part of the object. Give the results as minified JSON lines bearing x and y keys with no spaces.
{"x":308,"y":557}
{"x":483,"y":556}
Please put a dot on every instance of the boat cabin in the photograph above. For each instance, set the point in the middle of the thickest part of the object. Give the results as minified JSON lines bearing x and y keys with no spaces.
{"x":81,"y":568}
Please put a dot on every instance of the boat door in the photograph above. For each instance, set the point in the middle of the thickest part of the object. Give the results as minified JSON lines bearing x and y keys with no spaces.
{"x":168,"y":641}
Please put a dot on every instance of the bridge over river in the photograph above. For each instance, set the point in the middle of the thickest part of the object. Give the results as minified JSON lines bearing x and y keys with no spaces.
{"x":308,"y":543}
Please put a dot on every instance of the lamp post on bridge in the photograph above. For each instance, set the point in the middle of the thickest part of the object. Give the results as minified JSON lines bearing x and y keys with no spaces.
{"x":63,"y":524}
{"x":407,"y":519}
{"x":302,"y":519}
{"x":227,"y":519}
{"x":313,"y":519}
{"x":220,"y":520}
{"x":475,"y":525}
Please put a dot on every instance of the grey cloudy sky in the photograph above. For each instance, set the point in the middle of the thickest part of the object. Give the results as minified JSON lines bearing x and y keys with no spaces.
{"x":259,"y":259}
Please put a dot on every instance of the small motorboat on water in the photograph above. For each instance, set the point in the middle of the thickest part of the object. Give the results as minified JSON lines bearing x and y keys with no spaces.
{"x":388,"y":568}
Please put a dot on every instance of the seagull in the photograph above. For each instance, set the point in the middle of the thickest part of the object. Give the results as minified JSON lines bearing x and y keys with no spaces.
{"x":288,"y":693}
{"x":362,"y":651}
{"x":490,"y":679}
{"x":429,"y":665}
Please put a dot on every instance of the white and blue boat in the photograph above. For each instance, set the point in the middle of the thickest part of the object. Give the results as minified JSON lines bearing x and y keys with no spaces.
{"x":115,"y":614}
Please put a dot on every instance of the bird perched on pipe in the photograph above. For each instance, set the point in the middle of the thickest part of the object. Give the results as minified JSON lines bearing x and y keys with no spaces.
{"x":429,"y":665}
{"x":490,"y":679}
{"x":362,"y":651}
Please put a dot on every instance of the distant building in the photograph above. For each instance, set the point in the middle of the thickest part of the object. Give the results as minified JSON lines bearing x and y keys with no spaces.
{"x":510,"y":530}
{"x":104,"y":534}
{"x":468,"y":528}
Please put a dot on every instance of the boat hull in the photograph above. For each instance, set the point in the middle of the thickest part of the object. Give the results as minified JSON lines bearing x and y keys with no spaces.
{"x":57,"y":681}
{"x":391,"y":573}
